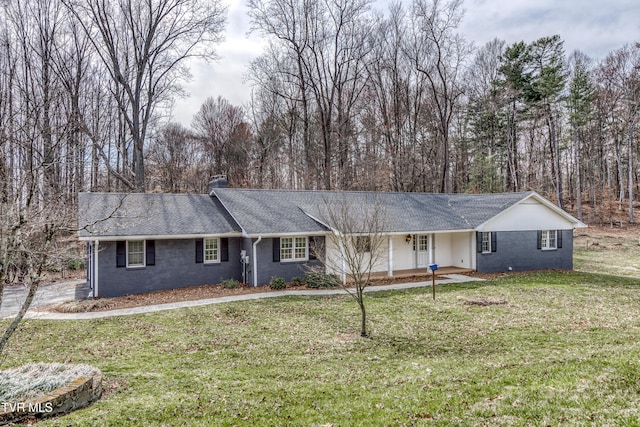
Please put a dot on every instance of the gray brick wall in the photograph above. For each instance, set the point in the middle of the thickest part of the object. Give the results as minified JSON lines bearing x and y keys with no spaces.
{"x":175,"y":267}
{"x":267,"y":268}
{"x":519,"y":251}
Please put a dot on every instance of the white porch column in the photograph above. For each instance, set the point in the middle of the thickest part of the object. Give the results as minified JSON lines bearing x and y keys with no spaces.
{"x":343,"y":272}
{"x":390,"y":269}
{"x":430,"y":243}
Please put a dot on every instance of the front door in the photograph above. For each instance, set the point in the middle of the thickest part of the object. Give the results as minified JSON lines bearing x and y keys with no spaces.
{"x":422,"y":250}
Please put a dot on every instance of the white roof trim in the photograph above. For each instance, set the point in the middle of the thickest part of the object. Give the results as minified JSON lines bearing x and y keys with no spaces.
{"x":156,"y":237}
{"x":290,"y":234}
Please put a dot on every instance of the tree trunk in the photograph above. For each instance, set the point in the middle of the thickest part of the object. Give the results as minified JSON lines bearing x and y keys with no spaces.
{"x":630,"y":177}
{"x":578,"y":175}
{"x":16,"y":320}
{"x":555,"y":157}
{"x":363,"y":311}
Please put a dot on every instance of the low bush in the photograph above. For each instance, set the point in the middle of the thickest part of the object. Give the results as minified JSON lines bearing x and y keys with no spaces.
{"x":230,"y":284}
{"x":277,"y":283}
{"x":321,"y":280}
{"x":75,"y":264}
{"x":297,"y":281}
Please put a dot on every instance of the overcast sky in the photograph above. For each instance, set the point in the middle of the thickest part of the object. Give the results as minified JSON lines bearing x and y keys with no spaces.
{"x":595,"y":27}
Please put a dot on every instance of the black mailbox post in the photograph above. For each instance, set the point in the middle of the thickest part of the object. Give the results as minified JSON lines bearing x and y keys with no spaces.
{"x":433,"y":268}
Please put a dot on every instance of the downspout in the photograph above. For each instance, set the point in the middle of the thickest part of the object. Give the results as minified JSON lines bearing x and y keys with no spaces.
{"x":95,"y":269}
{"x":255,"y":261}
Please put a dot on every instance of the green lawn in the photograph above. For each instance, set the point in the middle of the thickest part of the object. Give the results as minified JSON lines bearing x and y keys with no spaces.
{"x":615,"y":254}
{"x":564,"y":350}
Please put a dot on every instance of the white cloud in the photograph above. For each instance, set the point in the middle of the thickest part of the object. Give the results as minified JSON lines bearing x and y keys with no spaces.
{"x":592,"y":26}
{"x":225,"y":76}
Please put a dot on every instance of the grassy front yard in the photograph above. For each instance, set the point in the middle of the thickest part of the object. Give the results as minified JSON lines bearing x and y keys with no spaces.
{"x":563,"y":350}
{"x":607,"y":250}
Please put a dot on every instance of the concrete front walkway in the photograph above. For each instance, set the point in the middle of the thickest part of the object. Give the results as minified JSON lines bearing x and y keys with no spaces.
{"x":451,"y":278}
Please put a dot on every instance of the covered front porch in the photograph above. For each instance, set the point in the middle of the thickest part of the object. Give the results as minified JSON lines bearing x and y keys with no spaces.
{"x":410,"y":254}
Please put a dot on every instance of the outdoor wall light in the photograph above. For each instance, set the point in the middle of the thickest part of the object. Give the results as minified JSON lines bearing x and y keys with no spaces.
{"x":408,"y":238}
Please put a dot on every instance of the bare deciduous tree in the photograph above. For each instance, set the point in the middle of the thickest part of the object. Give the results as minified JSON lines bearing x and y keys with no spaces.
{"x":357,"y":242}
{"x":144,"y":44}
{"x":224,"y":137}
{"x":439,"y":53}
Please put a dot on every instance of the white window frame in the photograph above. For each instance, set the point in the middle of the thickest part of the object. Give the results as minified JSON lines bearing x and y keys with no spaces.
{"x":423,"y":242}
{"x":129,"y":252}
{"x":216,"y":251}
{"x":549,"y":236}
{"x":362,"y":244}
{"x":486,"y":242}
{"x":294,"y":245}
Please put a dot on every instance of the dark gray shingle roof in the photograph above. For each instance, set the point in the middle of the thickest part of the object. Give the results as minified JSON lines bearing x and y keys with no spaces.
{"x":290,"y":211}
{"x":274,"y":212}
{"x":119,"y":215}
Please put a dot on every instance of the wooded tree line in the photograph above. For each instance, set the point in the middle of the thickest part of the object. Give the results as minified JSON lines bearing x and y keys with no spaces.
{"x":344,"y":97}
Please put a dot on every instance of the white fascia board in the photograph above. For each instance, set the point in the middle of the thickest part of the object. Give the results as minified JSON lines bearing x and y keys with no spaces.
{"x":403,"y":233}
{"x":533,"y":195}
{"x":156,"y":237}
{"x":291,"y":234}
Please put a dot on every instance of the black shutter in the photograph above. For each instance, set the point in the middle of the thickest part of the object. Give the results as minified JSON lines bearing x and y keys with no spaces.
{"x":121,"y":254}
{"x":312,"y":248}
{"x":494,"y":241}
{"x":151,"y":252}
{"x":199,"y":251}
{"x":224,"y":249}
{"x":539,"y":239}
{"x":479,"y":242}
{"x":559,"y":239}
{"x":276,"y":249}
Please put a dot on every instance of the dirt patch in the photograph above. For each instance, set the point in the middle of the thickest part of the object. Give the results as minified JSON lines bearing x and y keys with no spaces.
{"x":484,"y":302}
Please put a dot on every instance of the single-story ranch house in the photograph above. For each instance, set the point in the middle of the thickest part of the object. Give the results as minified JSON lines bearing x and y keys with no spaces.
{"x":146,"y":242}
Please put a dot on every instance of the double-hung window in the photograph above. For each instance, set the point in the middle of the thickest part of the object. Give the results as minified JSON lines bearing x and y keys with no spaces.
{"x":363,"y":244}
{"x":211,"y":250}
{"x":486,"y":242}
{"x":135,"y":253}
{"x":294,"y":249}
{"x":549,"y":240}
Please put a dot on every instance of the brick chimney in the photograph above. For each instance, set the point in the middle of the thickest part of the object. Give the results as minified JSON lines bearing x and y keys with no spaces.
{"x":218,"y":181}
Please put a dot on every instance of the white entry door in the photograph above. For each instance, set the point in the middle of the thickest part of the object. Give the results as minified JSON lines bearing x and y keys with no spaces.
{"x":422,"y":250}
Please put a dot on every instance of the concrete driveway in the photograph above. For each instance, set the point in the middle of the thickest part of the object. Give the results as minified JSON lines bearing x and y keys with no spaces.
{"x":48,"y":293}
